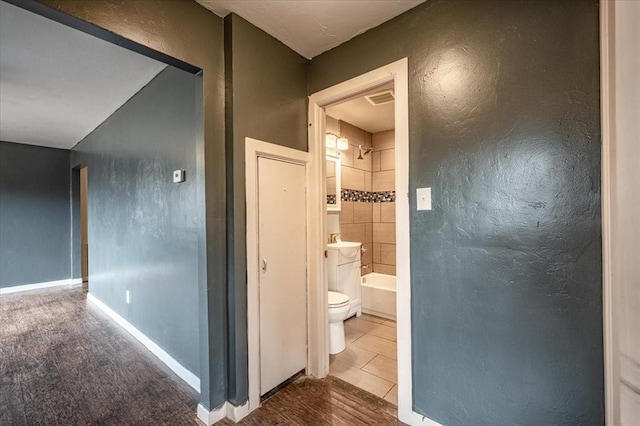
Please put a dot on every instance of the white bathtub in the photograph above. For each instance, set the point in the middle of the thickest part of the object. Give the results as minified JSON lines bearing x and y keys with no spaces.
{"x":379,"y":295}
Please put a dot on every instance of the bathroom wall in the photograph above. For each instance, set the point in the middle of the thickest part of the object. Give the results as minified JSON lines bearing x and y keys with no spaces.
{"x":34,"y":214}
{"x":383,"y":170}
{"x":504,"y":126}
{"x":356,"y":214}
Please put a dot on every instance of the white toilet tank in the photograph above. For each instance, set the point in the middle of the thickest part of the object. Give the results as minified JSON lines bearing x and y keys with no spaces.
{"x":343,"y":270}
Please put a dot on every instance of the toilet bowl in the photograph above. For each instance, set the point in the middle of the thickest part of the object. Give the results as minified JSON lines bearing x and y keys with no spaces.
{"x":339,"y":307}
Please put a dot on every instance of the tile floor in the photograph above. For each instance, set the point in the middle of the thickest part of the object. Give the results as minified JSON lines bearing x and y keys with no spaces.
{"x":369,"y":360}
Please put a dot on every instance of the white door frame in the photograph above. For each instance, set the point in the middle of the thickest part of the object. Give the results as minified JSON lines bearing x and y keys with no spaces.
{"x":396,"y":72}
{"x":255,"y":149}
{"x":610,"y":302}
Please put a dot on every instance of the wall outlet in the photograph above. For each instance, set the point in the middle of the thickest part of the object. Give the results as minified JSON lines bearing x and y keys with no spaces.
{"x":178,"y":176}
{"x":128,"y":297}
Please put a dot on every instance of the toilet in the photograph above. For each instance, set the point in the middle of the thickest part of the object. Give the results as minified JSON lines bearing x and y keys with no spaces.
{"x":339,"y":307}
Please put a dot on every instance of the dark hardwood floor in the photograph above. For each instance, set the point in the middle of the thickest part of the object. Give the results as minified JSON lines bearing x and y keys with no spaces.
{"x":329,"y":401}
{"x":64,"y":362}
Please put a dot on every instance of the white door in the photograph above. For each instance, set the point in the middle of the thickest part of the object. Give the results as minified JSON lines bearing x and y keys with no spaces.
{"x":283,"y":270}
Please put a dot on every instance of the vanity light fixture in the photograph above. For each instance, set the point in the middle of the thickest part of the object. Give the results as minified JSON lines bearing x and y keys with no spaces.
{"x":343,"y":144}
{"x":333,"y":141}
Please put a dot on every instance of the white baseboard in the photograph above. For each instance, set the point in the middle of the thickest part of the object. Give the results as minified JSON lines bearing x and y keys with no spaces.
{"x":237,"y":413}
{"x":170,"y":362}
{"x":227,"y":410}
{"x":38,"y":286}
{"x":210,"y":417}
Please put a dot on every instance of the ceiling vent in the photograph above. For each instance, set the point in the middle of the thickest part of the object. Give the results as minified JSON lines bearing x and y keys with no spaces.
{"x":381,"y":98}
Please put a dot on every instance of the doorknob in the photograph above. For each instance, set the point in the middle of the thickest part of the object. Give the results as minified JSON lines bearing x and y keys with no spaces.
{"x":264,"y":265}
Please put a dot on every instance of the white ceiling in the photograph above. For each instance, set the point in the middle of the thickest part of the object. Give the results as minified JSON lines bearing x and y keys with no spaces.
{"x":361,"y":113}
{"x":58,"y":84}
{"x":311,"y":27}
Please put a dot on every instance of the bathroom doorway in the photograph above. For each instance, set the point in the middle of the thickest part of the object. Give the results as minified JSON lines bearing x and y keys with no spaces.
{"x":395,"y":74}
{"x":365,"y":126}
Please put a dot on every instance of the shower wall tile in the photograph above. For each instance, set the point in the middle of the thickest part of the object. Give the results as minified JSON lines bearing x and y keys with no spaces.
{"x":384,"y":181}
{"x":352,"y":178}
{"x":352,"y":232}
{"x":384,"y":140}
{"x":364,"y":164}
{"x":388,"y":159}
{"x":346,"y":212}
{"x":375,"y":161}
{"x":388,"y":254}
{"x":368,"y":186}
{"x":384,"y":269}
{"x":384,"y":233}
{"x":368,"y":194}
{"x":362,"y":212}
{"x":376,"y":212}
{"x":368,"y":139}
{"x":368,"y":232}
{"x":346,"y":157}
{"x":387,"y":212}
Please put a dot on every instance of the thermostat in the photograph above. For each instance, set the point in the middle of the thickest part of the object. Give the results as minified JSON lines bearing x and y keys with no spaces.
{"x":178,"y":176}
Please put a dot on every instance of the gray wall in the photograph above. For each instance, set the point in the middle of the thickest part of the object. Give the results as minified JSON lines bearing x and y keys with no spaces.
{"x":34,"y":214}
{"x":195,"y":36}
{"x":506,"y":270}
{"x":266,"y":100}
{"x":143,"y":228}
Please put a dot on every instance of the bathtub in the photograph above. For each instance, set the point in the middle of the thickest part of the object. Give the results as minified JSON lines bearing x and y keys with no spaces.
{"x":379,"y":295}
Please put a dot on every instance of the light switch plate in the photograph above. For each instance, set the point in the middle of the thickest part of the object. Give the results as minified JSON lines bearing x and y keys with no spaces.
{"x":423,"y":197}
{"x":178,"y":176}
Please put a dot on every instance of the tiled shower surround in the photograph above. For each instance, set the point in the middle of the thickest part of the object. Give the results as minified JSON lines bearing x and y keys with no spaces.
{"x":368,"y":197}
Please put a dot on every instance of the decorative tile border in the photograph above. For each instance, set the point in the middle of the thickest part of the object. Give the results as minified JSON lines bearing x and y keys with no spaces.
{"x":384,"y":197}
{"x":331,"y":199}
{"x":367,"y":196}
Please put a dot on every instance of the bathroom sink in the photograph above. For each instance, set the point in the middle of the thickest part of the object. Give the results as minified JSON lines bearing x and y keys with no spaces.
{"x":346,"y":248}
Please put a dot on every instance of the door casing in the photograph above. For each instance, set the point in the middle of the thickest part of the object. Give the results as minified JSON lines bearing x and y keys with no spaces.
{"x":396,"y":73}
{"x":255,"y":149}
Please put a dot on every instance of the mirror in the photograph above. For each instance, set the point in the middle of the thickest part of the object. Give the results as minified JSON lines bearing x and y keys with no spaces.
{"x":333,"y":182}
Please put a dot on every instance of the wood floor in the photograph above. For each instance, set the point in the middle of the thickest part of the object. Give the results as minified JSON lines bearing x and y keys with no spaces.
{"x":329,"y":401}
{"x":63,"y":362}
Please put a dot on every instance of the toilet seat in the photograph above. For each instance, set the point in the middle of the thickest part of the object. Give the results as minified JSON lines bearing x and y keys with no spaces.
{"x":337,"y":300}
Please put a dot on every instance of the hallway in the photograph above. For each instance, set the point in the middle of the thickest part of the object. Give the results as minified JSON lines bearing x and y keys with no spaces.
{"x":62,"y":361}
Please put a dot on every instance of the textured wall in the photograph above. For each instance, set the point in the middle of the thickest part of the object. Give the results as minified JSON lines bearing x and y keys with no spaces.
{"x":182,"y":30}
{"x":506,"y":270}
{"x":143,"y":228}
{"x":34,"y":214}
{"x":266,"y":100}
